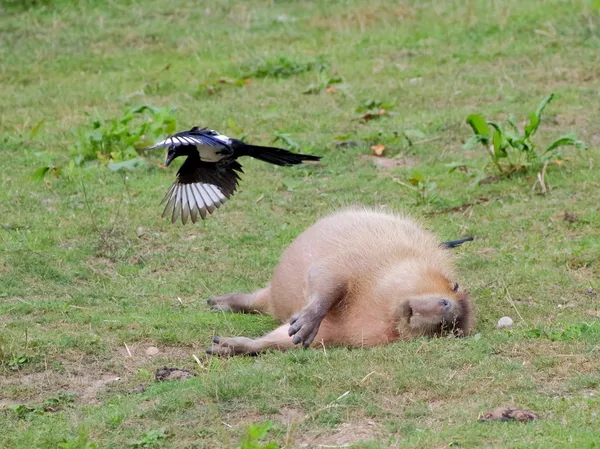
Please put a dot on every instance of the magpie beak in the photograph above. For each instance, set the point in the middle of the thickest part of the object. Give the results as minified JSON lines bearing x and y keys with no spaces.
{"x":170,"y":157}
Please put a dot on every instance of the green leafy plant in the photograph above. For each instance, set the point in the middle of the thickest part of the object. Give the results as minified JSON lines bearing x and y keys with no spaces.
{"x":23,"y":410}
{"x":52,"y":404}
{"x":510,"y":149}
{"x":281,"y":67}
{"x":112,"y":142}
{"x":16,"y":361}
{"x":55,"y":403}
{"x":372,"y":109}
{"x":327,"y":83}
{"x":79,"y":441}
{"x":151,"y":438}
{"x":212,"y":87}
{"x":115,"y":139}
{"x":254,"y":434}
{"x":421,"y":187}
{"x":569,"y":332}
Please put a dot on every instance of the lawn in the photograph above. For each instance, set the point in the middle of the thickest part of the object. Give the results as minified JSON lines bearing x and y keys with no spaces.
{"x":91,"y":276}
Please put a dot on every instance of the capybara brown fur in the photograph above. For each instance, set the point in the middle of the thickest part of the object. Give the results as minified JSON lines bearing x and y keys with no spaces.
{"x":356,"y":278}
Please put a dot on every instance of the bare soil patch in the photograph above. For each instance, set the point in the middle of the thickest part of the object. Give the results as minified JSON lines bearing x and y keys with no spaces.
{"x":389,"y":164}
{"x":39,"y":386}
{"x":344,"y":435}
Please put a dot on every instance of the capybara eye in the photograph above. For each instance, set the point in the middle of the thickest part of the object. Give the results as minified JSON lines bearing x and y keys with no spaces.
{"x":445,"y":303}
{"x":455,"y":288}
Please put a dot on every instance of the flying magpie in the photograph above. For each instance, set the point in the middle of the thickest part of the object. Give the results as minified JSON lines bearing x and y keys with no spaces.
{"x":209,"y":175}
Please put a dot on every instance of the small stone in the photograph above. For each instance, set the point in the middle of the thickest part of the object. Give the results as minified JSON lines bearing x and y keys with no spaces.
{"x":505,"y":321}
{"x":152,"y":350}
{"x":140,"y":231}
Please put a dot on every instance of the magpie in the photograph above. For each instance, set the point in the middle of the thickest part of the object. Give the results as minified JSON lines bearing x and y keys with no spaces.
{"x":210,"y":174}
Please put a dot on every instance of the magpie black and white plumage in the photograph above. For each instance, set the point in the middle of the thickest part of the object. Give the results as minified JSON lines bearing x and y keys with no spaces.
{"x":210,"y":174}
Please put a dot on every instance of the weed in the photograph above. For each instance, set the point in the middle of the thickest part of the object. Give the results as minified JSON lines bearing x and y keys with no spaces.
{"x":112,"y":142}
{"x":51,"y":405}
{"x":281,"y":67}
{"x":17,"y":361}
{"x":115,"y":139}
{"x":23,"y":410}
{"x":327,"y":83}
{"x":79,"y":441}
{"x":254,"y":434}
{"x":370,"y":105}
{"x":421,"y":187}
{"x":55,"y":403}
{"x":151,"y":438}
{"x":570,"y":332}
{"x":512,"y":150}
{"x":213,"y":87}
{"x":373,"y":109}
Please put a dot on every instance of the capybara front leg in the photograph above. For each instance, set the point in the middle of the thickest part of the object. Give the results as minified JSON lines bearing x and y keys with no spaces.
{"x":324,"y":290}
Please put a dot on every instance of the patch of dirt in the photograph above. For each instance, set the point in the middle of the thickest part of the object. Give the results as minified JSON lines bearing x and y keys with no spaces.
{"x":486,"y":253}
{"x":344,"y":435}
{"x":362,"y":17}
{"x":172,"y":374}
{"x":5,"y":269}
{"x":570,"y":218}
{"x":89,"y":390}
{"x":509,"y":414}
{"x":39,"y":386}
{"x":289,"y":415}
{"x":139,"y":352}
{"x":88,"y":378}
{"x":286,"y":416}
{"x":492,"y":179}
{"x":348,"y":144}
{"x":388,"y":164}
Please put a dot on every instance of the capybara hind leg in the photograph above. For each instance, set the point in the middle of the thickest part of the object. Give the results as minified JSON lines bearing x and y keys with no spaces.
{"x":324,"y":291}
{"x":277,"y":340}
{"x":257,"y":302}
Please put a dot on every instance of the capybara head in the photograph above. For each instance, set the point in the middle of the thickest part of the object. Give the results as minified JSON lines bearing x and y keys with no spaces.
{"x":435,"y":314}
{"x":426,"y":302}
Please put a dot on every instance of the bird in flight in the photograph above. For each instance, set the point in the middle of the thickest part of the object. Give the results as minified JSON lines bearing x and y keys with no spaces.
{"x":209,"y":175}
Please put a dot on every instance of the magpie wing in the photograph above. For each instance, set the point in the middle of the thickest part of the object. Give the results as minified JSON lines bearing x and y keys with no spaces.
{"x":194,"y":137}
{"x":200,"y":189}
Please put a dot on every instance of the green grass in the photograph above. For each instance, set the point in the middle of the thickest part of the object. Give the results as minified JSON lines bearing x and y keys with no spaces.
{"x":87,"y":266}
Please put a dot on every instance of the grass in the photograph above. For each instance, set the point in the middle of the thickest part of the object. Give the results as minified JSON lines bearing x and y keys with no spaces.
{"x":90,"y":275}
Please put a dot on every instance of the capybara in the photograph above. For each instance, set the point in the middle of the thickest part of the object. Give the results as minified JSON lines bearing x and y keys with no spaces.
{"x":356,"y":278}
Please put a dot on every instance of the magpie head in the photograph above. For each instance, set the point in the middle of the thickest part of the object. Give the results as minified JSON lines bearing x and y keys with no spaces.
{"x":176,"y":151}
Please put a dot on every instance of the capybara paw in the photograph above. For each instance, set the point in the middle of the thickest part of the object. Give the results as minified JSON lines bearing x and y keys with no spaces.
{"x":222,"y":303}
{"x":304,"y":327}
{"x":230,"y":346}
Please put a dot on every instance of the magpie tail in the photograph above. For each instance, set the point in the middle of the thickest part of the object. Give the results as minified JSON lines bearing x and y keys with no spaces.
{"x":455,"y":243}
{"x":277,"y":156}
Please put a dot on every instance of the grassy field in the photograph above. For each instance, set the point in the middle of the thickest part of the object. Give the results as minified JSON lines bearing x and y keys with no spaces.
{"x":91,"y":276}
